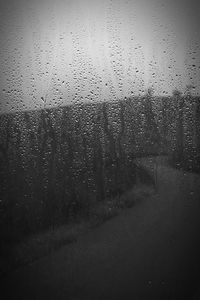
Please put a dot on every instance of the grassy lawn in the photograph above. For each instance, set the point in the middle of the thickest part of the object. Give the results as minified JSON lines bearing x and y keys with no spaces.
{"x":43,"y":243}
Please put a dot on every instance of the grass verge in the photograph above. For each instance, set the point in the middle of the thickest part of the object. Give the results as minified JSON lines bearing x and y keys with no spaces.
{"x":41,"y":244}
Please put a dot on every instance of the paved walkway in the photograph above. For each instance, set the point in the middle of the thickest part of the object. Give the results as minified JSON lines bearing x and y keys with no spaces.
{"x":150,"y":251}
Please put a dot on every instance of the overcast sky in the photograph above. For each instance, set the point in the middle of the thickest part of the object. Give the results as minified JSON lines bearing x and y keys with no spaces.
{"x":98,"y":50}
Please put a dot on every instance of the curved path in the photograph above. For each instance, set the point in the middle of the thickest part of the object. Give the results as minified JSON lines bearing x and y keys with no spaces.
{"x":150,"y":251}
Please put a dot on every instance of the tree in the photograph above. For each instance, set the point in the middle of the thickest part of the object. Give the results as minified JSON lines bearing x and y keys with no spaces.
{"x":177,"y":95}
{"x":150,"y":92}
{"x":152,"y":135}
{"x":188,"y":90}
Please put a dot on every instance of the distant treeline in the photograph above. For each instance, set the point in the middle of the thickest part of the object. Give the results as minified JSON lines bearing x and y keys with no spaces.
{"x":55,"y":163}
{"x":186,"y":153}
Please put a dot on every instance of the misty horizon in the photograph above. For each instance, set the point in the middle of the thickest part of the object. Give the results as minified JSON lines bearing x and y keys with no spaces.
{"x":104,"y":50}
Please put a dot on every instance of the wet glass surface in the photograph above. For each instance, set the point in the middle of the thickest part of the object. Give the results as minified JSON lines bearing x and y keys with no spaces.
{"x":88,"y":90}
